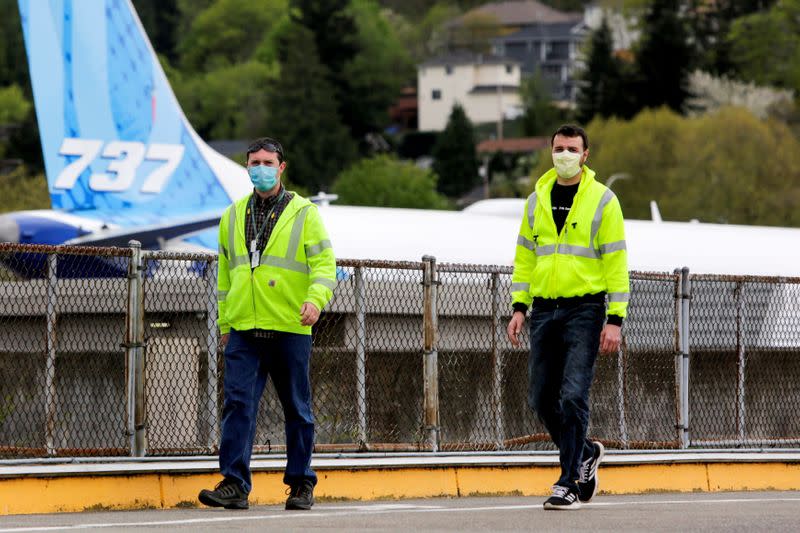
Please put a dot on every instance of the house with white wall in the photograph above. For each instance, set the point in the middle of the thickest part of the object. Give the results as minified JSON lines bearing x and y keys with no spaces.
{"x":486,"y":86}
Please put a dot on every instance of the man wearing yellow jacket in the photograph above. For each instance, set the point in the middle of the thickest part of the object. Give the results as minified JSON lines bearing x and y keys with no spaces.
{"x":276,"y":273}
{"x":570,"y":258}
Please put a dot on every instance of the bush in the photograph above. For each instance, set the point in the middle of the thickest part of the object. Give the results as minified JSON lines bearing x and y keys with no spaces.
{"x":383,"y":181}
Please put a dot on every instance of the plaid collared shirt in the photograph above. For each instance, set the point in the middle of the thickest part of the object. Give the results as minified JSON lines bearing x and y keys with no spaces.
{"x":262,"y":208}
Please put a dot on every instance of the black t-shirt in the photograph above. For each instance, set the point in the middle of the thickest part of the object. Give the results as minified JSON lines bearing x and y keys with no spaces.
{"x":561,"y":198}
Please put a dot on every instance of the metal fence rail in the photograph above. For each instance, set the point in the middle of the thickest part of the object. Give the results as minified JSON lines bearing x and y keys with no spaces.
{"x":114,"y":351}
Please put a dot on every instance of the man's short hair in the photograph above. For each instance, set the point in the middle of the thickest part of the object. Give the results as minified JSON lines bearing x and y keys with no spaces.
{"x":571,"y":130}
{"x":266,"y":143}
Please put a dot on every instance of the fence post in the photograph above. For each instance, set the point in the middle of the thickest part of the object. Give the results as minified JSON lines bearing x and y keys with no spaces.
{"x":497,"y":363}
{"x":212,"y":342}
{"x":361,"y":356}
{"x":621,"y":387}
{"x":50,"y":362}
{"x":684,"y":294}
{"x":431,"y":356}
{"x":738,"y":294}
{"x":134,"y":344}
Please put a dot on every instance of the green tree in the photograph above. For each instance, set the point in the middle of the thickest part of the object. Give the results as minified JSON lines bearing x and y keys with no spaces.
{"x":383,"y":181}
{"x":774,"y":60}
{"x":14,"y":107}
{"x":21,"y":190}
{"x":304,"y":117}
{"x":365,"y":62}
{"x":218,"y":112}
{"x":601,"y":83}
{"x":540,"y":117}
{"x":228,"y":32}
{"x":13,"y":61}
{"x":663,"y":58}
{"x":455,"y":158}
{"x":160,"y":19}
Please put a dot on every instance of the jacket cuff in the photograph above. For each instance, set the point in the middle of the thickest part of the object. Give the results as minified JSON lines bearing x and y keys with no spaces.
{"x":614,"y":320}
{"x":521,"y":307}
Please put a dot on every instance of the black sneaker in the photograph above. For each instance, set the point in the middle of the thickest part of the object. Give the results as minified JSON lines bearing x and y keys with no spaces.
{"x":227,"y":494}
{"x":563,"y":499}
{"x":587,"y":482}
{"x":301,"y":497}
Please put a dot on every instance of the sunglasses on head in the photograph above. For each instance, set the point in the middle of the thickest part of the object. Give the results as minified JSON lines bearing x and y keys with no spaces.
{"x":269,"y":146}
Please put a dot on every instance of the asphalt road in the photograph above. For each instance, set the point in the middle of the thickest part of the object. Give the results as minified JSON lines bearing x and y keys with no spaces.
{"x":748,"y":511}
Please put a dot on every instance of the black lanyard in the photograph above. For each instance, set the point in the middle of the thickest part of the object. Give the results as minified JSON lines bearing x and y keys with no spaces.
{"x":252,"y":207}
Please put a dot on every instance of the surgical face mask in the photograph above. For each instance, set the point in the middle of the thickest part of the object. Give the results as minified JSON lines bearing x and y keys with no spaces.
{"x":567,"y":163}
{"x":264,"y":178}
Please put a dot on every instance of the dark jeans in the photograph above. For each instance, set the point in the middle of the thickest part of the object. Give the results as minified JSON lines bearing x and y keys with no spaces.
{"x":248,"y":362}
{"x":564,"y":345}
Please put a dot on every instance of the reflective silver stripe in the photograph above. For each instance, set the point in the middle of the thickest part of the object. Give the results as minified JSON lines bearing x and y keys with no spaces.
{"x":238,"y":260}
{"x":598,"y":214}
{"x":531,"y":208}
{"x":297,"y":233}
{"x":612,"y":247}
{"x":520,"y":287}
{"x":548,"y":249}
{"x":525,"y":243}
{"x":616,"y":297}
{"x":580,"y":251}
{"x":232,"y":240}
{"x":222,"y":296}
{"x":222,"y":251}
{"x":285,"y":263}
{"x":329,"y":283}
{"x":311,"y":251}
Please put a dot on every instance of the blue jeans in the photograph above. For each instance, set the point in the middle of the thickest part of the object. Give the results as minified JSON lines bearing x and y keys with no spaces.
{"x":248,"y":362}
{"x":564,"y":345}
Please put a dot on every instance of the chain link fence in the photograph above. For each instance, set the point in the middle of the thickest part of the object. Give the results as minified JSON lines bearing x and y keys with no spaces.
{"x":115,"y":351}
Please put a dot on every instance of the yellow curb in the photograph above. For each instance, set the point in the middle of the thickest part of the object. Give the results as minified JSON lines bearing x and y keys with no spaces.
{"x":165,"y":490}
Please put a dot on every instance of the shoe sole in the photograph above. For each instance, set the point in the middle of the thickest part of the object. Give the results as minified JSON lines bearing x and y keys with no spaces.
{"x":295,"y":507}
{"x":573,"y":507}
{"x":211,"y":502}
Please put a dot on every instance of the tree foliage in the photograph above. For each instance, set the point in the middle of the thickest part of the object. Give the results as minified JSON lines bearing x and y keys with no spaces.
{"x":604,"y":80}
{"x":663,"y":58}
{"x":540,"y":117}
{"x":455,"y":158}
{"x":384,"y":181}
{"x":712,"y":168}
{"x":304,"y":116}
{"x":774,"y":60}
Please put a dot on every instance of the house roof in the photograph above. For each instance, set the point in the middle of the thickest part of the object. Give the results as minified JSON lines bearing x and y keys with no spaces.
{"x":514,"y":146}
{"x":467,"y":58}
{"x":521,"y":13}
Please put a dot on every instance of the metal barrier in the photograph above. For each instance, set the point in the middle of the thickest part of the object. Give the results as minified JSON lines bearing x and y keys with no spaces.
{"x":114,"y":351}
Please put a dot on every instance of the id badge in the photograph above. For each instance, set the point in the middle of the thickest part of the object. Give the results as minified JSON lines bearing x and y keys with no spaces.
{"x":255,"y":259}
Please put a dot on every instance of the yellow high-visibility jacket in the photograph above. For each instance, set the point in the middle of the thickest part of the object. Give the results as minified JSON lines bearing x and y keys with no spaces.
{"x":296,"y":266}
{"x":588,"y":256}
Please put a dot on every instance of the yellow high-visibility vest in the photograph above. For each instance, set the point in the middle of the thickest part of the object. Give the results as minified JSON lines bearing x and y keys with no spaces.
{"x":296,"y":266}
{"x":589,"y":255}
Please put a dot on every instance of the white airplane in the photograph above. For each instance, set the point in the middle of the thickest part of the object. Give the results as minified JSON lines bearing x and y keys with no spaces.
{"x":124,"y":163}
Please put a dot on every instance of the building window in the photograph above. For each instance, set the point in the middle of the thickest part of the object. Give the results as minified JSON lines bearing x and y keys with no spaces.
{"x":436,"y":94}
{"x":448,"y":69}
{"x":509,"y":69}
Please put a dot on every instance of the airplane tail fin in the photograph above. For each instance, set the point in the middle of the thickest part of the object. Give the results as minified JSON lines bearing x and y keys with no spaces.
{"x":113,"y":134}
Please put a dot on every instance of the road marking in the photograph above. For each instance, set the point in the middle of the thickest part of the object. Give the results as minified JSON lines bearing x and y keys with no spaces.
{"x":377,"y":509}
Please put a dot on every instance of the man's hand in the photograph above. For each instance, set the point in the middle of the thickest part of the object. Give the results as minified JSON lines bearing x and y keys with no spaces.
{"x":224,"y":339}
{"x":309,"y":314}
{"x":515,"y":327}
{"x":610,"y":339}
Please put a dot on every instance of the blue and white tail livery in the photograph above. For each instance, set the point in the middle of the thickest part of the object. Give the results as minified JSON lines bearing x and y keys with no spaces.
{"x":121,"y":159}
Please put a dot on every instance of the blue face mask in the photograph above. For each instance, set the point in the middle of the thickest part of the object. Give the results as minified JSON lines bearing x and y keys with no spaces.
{"x":264,"y":178}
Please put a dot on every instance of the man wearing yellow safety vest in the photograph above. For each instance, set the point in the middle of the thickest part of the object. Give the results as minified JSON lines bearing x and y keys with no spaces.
{"x":570,"y":258}
{"x":276,"y":273}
